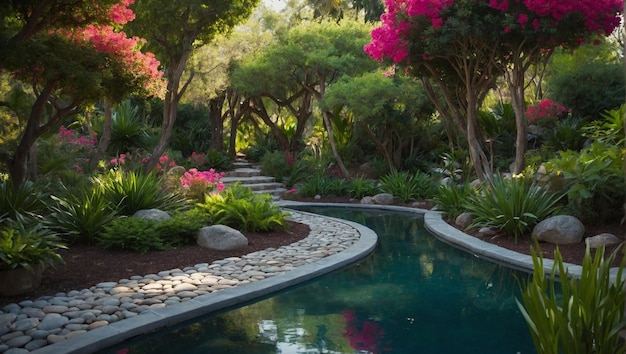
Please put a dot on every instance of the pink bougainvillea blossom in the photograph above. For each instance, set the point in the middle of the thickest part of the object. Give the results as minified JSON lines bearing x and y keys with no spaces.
{"x":196,"y":183}
{"x":545,"y":110}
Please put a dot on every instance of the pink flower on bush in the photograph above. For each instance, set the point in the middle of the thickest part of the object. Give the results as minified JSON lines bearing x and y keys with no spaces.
{"x":164,"y":161}
{"x":118,"y":160}
{"x":292,"y":191}
{"x":546,"y":110}
{"x":196,"y":183}
{"x":198,"y":159}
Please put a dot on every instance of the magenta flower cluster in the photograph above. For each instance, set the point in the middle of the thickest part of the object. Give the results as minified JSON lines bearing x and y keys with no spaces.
{"x":390,"y":40}
{"x":202,"y":180}
{"x":545,"y":110}
{"x":68,"y":136}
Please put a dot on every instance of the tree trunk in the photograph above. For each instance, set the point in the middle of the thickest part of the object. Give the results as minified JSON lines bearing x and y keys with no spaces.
{"x":329,"y":129}
{"x":217,"y":122}
{"x":170,"y":108}
{"x":105,"y":139}
{"x":477,"y":154}
{"x":515,"y":80}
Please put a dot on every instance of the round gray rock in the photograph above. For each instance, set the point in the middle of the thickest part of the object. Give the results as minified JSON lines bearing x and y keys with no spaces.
{"x":221,"y":238}
{"x":464,"y":220}
{"x":383,"y":198}
{"x":560,"y":229}
{"x":152,"y":214}
{"x":602,"y":239}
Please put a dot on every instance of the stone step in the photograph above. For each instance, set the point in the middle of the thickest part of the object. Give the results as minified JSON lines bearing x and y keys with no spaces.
{"x":247,"y":180}
{"x":263,"y":186}
{"x":243,"y":172}
{"x":241,"y":164}
{"x":277,"y":193}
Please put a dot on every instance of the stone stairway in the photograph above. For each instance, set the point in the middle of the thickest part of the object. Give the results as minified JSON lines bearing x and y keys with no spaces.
{"x":250,"y":176}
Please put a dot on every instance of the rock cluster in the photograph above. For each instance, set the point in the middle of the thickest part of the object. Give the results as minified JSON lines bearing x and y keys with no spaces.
{"x":30,"y":325}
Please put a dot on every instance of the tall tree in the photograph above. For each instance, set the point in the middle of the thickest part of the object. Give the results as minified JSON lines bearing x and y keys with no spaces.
{"x":174,"y":30}
{"x":462,"y":46}
{"x":68,"y":65}
{"x":297,"y":70}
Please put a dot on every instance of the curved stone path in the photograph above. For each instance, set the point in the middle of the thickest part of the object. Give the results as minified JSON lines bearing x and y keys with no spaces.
{"x":67,"y":322}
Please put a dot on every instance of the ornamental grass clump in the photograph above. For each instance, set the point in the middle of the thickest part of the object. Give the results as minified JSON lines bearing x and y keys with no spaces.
{"x":451,"y":199}
{"x":513,"y":205}
{"x":586,"y":316}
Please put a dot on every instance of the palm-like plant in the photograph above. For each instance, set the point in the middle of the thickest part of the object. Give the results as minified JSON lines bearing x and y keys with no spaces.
{"x":130,"y":191}
{"x":28,"y":247}
{"x":24,"y":203}
{"x":514,"y":205}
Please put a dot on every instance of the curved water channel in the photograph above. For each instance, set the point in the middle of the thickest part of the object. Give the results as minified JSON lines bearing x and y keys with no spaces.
{"x":414,"y":294}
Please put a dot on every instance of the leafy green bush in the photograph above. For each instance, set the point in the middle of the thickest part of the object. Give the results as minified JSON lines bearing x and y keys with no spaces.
{"x":142,"y":235}
{"x":587,"y":317}
{"x":514,"y":205}
{"x":129,"y":191}
{"x":406,"y":187}
{"x":133,"y":234}
{"x":128,"y":132}
{"x":81,"y":214}
{"x":609,"y":129}
{"x":453,"y":198}
{"x":277,"y":164}
{"x":593,"y":181}
{"x":323,"y":185}
{"x":28,"y":246}
{"x":239,"y":207}
{"x":361,"y":187}
{"x":217,"y":160}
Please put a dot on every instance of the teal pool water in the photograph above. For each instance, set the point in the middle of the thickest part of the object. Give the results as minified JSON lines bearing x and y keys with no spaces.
{"x":414,"y":294}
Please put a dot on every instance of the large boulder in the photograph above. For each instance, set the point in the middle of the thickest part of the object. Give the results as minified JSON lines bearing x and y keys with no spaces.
{"x":221,"y":238}
{"x":560,"y":229}
{"x":152,"y":214}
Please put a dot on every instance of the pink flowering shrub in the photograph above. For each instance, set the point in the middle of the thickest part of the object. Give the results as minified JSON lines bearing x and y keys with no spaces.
{"x":545,"y":113}
{"x":78,"y":147}
{"x":164,"y":163}
{"x":196,"y":184}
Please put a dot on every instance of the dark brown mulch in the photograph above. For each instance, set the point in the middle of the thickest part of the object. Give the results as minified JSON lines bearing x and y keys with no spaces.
{"x":86,"y":266}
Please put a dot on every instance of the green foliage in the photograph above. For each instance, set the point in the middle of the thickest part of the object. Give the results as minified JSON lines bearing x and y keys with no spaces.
{"x":406,"y":187}
{"x":192,"y":131}
{"x":129,"y":191}
{"x":239,"y":207}
{"x":128,"y":132}
{"x":589,"y":314}
{"x":609,"y":129}
{"x":513,"y":205}
{"x":275,"y":164}
{"x":133,"y":234}
{"x":81,"y":214}
{"x":362,"y":187}
{"x":498,"y":127}
{"x":23,"y":204}
{"x":28,"y":247}
{"x":143,"y":235}
{"x":217,"y":160}
{"x":593,"y":181}
{"x":603,"y":88}
{"x":323,"y":185}
{"x":452,"y":199}
{"x":566,"y":135}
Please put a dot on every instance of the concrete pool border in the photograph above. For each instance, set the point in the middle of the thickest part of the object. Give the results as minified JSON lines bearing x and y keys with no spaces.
{"x":115,"y":333}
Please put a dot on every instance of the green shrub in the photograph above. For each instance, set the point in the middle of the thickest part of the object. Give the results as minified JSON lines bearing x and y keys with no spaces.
{"x":23,"y":204}
{"x":406,"y":187}
{"x":130,"y":191}
{"x":593,"y":181}
{"x":276,"y":164}
{"x":588,"y":315}
{"x":239,"y":207}
{"x":133,"y":234}
{"x":361,"y":187}
{"x":323,"y":185}
{"x":28,"y":246}
{"x":453,"y":198}
{"x":609,"y":129}
{"x":183,"y":227}
{"x":81,"y":214}
{"x":128,"y":132}
{"x":217,"y":160}
{"x":513,"y":205}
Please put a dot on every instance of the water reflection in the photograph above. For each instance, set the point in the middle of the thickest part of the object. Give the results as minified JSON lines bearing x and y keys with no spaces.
{"x":413,"y":295}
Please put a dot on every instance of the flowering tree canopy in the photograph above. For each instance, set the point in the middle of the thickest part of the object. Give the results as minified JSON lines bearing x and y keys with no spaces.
{"x":76,"y":54}
{"x":462,"y":46}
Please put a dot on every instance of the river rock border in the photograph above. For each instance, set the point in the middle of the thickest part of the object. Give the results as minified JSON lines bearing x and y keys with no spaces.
{"x":88,"y":320}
